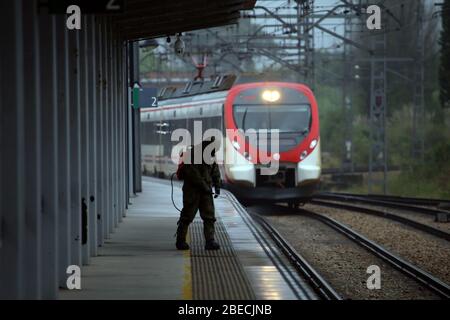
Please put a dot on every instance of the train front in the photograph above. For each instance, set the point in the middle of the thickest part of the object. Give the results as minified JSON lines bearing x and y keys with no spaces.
{"x":272,"y":145}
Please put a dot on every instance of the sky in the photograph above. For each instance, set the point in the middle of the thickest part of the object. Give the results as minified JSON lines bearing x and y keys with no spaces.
{"x":322,"y":39}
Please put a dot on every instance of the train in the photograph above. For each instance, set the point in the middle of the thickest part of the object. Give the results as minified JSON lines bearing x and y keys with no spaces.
{"x":285,"y":114}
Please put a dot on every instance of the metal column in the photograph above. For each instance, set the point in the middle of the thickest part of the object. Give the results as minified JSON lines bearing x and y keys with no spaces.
{"x":108,"y":140}
{"x":64,"y":153}
{"x":33,"y":217}
{"x":105,"y":122}
{"x":75,"y":148}
{"x":12,"y":143}
{"x":49,"y":107}
{"x":92,"y":110}
{"x":101,"y":203}
{"x":114,"y":127}
{"x":85,"y":139}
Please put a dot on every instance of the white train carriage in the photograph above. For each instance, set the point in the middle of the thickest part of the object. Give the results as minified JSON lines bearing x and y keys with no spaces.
{"x":285,"y":113}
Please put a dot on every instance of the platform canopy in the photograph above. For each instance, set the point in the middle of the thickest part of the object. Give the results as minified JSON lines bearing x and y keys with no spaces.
{"x":145,"y":19}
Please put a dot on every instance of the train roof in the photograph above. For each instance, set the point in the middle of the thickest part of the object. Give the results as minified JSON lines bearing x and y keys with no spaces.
{"x":198,"y":87}
{"x":219,"y":83}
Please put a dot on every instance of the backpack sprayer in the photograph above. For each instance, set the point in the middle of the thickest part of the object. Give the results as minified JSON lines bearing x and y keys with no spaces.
{"x":180,"y":176}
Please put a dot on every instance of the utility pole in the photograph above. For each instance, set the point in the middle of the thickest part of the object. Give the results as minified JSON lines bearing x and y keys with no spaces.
{"x":305,"y":41}
{"x":418,"y":132}
{"x":377,"y":117}
{"x":347,"y":89}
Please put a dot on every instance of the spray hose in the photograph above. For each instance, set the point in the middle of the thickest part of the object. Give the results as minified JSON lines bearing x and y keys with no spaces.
{"x":171,"y":192}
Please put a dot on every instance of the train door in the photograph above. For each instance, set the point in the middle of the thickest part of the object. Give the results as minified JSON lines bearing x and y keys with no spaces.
{"x":161,"y":132}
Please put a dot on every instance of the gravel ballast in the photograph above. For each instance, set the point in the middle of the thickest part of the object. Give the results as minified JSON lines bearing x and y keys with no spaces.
{"x":423,"y":218}
{"x":342,"y":262}
{"x":428,"y":252}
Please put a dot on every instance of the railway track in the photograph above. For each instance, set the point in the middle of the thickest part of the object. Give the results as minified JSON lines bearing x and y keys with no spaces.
{"x":397,"y":199}
{"x":314,"y":278}
{"x":304,"y":271}
{"x":384,"y":214}
{"x":434,"y":284}
{"x":439,"y":215}
{"x":390,"y":202}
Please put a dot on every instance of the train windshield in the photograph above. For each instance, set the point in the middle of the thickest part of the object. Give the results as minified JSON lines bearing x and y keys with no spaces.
{"x":288,"y":118}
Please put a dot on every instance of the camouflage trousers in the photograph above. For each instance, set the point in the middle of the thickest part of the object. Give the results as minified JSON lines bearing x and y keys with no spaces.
{"x":194,"y":201}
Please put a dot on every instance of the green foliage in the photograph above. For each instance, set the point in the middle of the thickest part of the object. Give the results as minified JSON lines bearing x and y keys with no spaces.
{"x":147,"y":61}
{"x":329,"y":100}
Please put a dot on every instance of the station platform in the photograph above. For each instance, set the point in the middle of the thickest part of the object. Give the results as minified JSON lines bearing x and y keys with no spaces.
{"x":140,"y":260}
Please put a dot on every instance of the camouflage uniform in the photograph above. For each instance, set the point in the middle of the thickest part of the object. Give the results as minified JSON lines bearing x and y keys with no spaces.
{"x":197,"y":195}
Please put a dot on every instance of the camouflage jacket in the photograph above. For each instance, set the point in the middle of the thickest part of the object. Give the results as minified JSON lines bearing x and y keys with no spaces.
{"x":201,"y":177}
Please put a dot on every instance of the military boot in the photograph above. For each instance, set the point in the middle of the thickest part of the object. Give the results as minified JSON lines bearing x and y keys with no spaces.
{"x":181,"y":243}
{"x":212,"y":245}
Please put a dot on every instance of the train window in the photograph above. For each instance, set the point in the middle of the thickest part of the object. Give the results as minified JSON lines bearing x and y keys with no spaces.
{"x":286,"y":118}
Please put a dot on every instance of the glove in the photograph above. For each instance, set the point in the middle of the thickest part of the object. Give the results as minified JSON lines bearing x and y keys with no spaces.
{"x":217,"y":192}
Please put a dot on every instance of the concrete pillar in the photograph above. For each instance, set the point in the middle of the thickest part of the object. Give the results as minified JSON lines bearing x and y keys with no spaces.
{"x":120,"y":129}
{"x":115,"y":128}
{"x":106,"y":124}
{"x":49,"y":107}
{"x":109,"y":135}
{"x":125,"y":105}
{"x":101,"y":203}
{"x":64,"y":162}
{"x":33,"y":217}
{"x":130,"y":159}
{"x":12,"y":144}
{"x":75,"y":150}
{"x":85,"y":138}
{"x":92,"y":83}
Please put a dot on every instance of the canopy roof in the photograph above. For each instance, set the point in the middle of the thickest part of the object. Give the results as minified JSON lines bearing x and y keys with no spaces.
{"x":145,"y":19}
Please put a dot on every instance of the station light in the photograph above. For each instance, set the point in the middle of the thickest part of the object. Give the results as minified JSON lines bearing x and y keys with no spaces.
{"x":271,"y":95}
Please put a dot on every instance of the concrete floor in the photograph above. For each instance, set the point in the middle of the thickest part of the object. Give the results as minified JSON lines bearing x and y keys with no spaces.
{"x":139,"y":261}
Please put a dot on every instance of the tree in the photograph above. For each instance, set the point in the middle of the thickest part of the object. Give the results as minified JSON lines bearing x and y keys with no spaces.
{"x":444,"y":70}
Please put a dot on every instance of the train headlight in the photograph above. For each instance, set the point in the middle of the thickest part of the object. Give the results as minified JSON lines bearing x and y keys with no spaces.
{"x":247,"y":156}
{"x":313,"y":144}
{"x":236,"y":145}
{"x":303,"y":155}
{"x":271,"y":95}
{"x":276,"y":156}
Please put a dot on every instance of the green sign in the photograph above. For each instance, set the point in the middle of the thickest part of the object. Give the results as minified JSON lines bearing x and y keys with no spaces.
{"x":145,"y":97}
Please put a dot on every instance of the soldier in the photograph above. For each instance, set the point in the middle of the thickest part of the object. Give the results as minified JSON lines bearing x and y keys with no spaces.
{"x":198,"y":195}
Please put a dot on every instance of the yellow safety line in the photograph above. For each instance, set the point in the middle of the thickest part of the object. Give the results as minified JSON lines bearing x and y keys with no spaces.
{"x":187,"y":278}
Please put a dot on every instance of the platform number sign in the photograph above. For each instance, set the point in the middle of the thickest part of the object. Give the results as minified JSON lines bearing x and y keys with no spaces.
{"x":113,"y":5}
{"x":145,"y":97}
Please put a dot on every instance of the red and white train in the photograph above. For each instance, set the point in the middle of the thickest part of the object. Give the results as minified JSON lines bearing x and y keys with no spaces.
{"x":229,"y":106}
